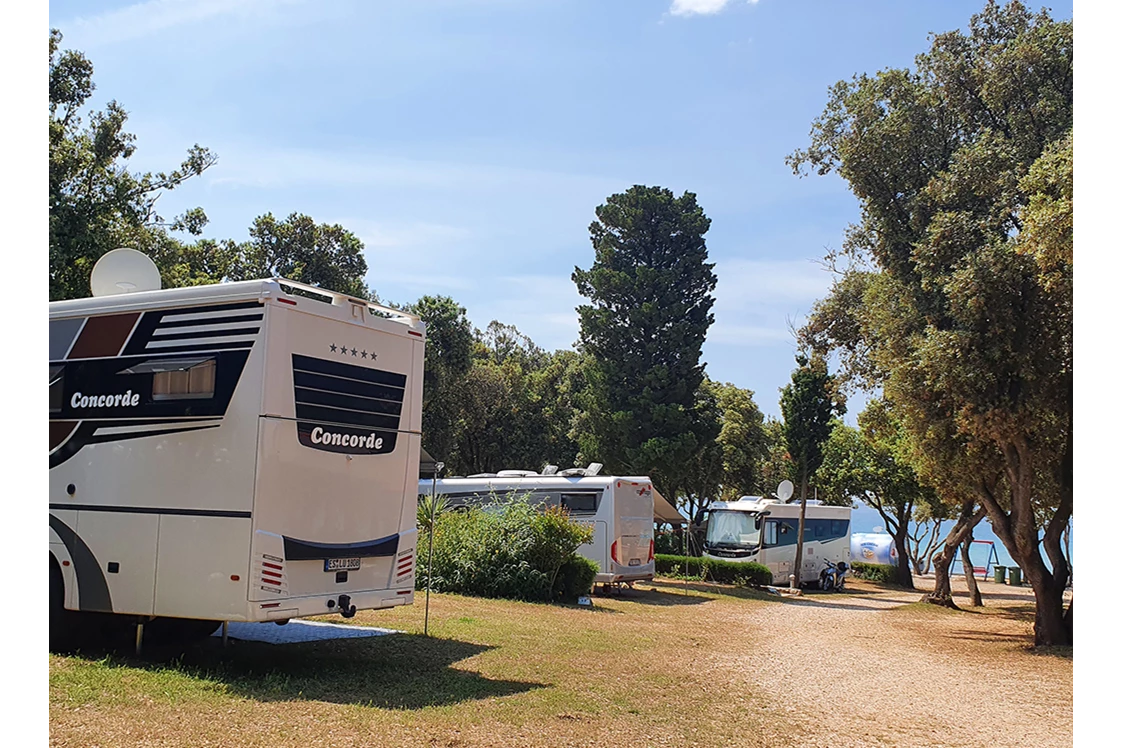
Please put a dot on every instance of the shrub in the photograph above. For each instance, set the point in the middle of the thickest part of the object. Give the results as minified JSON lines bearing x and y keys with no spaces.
{"x":509,"y":550}
{"x":874,"y":572}
{"x":575,"y":578}
{"x":745,"y":574}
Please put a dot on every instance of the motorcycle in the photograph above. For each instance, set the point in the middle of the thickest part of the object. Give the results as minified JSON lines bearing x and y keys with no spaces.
{"x":833,"y":578}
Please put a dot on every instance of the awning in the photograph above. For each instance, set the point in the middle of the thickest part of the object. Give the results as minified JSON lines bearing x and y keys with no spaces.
{"x":666,"y":512}
{"x":428,"y":465}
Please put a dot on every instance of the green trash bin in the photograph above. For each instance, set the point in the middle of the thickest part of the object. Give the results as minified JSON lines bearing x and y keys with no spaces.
{"x":1000,"y":575}
{"x":1015,"y":576}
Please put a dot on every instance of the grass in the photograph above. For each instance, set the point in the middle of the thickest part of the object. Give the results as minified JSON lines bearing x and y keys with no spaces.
{"x":492,"y":671}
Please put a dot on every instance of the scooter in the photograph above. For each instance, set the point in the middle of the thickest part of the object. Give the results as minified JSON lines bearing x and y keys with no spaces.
{"x":833,"y":577}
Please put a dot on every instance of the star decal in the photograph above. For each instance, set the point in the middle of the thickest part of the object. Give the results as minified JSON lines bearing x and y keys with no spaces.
{"x":364,"y":354}
{"x":373,"y":356}
{"x":334,"y":348}
{"x":354,"y":351}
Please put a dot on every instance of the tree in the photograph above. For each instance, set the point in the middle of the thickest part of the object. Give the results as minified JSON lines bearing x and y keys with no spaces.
{"x":448,"y":357}
{"x":96,"y":204}
{"x":808,"y":404}
{"x":302,"y":250}
{"x":869,"y":465}
{"x":650,"y":291}
{"x":958,"y":297}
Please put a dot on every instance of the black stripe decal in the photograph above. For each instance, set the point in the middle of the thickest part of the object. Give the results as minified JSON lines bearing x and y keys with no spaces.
{"x":306,"y":550}
{"x":349,"y":402}
{"x":349,"y":417}
{"x":93,"y":591}
{"x":85,"y":435}
{"x":347,"y":386}
{"x":152,"y":321}
{"x":198,"y":347}
{"x":335,"y":369}
{"x":224,"y":320}
{"x":204,"y":334}
{"x":154,"y":510}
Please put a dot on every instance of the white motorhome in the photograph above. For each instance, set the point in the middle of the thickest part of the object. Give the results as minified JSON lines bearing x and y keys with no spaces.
{"x":765,"y":531}
{"x":620,"y":511}
{"x":233,"y":452}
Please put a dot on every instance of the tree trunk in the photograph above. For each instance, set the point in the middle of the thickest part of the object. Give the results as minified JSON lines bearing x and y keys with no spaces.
{"x":798,"y":570}
{"x":903,"y":575}
{"x":941,"y":562}
{"x":969,"y":570}
{"x":1017,"y":529}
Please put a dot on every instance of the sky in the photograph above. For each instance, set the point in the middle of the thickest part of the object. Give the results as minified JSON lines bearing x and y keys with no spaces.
{"x":469,"y":142}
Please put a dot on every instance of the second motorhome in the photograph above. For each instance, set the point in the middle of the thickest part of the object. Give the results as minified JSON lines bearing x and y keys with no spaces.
{"x":620,"y":511}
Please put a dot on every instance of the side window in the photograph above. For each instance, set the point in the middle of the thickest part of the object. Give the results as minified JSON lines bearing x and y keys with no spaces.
{"x":194,"y":382}
{"x":580,"y":503}
{"x":769,"y":533}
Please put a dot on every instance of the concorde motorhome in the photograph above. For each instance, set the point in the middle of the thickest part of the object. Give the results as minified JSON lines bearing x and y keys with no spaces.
{"x":235,"y":452}
{"x":619,"y":509}
{"x":765,"y":531}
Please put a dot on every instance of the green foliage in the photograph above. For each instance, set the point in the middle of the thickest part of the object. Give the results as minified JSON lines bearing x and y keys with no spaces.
{"x":650,"y":291}
{"x":575,"y":578}
{"x":885,"y":573}
{"x":745,"y":574}
{"x":509,"y":550}
{"x":96,"y":204}
{"x":957,"y":298}
{"x":809,"y":404}
{"x":299,"y":249}
{"x":430,"y":509}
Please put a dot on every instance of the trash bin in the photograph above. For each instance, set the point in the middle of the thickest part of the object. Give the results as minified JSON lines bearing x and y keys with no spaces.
{"x":1015,"y":576}
{"x":1000,"y":575}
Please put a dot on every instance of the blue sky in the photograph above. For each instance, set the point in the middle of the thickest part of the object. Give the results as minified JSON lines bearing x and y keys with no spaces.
{"x":468,"y":142}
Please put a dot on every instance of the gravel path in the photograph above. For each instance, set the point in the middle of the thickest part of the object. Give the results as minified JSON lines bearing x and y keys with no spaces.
{"x":968,"y":679}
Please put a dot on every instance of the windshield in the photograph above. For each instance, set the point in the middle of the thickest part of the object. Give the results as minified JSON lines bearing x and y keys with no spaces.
{"x":733,"y":529}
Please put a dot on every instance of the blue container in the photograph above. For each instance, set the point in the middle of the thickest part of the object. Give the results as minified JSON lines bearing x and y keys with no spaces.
{"x":873,"y":548}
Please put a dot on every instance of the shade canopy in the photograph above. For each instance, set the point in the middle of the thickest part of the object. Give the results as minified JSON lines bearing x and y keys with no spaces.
{"x":666,"y":512}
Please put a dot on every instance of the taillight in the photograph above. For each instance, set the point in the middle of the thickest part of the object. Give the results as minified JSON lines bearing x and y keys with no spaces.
{"x":614,"y":556}
{"x":651,"y":552}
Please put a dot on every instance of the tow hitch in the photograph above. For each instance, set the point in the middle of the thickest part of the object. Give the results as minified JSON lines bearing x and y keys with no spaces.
{"x":346,"y":609}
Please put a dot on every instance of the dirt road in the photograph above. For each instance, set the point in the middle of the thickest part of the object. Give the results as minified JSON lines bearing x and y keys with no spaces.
{"x":880,"y":672}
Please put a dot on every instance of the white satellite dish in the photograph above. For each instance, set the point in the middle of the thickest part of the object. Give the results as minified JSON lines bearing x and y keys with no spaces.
{"x":785,"y":491}
{"x":124,"y":270}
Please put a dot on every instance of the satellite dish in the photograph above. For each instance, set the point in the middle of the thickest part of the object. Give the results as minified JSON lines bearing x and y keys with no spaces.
{"x":879,"y":528}
{"x":785,"y":491}
{"x":124,"y":270}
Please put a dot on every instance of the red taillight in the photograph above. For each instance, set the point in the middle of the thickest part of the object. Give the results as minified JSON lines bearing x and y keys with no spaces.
{"x":614,"y":557}
{"x":651,"y":552}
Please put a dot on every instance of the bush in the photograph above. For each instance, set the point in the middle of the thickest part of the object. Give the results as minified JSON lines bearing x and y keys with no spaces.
{"x":874,"y":572}
{"x":575,"y":578}
{"x":746,"y":574}
{"x":509,"y":550}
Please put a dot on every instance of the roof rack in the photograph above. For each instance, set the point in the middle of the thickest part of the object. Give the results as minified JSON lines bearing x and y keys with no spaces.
{"x":340,"y":299}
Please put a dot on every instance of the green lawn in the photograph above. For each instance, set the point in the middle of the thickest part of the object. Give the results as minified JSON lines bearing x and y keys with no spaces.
{"x":641,"y":669}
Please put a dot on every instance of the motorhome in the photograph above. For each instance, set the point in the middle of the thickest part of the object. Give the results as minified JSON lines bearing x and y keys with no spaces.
{"x":620,"y":510}
{"x":763,"y":530}
{"x":241,"y":451}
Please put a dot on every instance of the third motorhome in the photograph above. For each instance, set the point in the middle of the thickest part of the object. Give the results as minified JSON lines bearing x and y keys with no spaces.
{"x":765,"y":531}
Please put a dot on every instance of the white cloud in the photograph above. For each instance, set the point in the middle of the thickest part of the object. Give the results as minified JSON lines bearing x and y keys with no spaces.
{"x":755,"y":284}
{"x":143,"y":19}
{"x":757,"y":302}
{"x":700,"y":7}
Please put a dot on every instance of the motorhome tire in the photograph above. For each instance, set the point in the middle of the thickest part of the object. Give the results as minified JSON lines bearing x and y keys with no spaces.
{"x":178,"y":631}
{"x":58,"y":621}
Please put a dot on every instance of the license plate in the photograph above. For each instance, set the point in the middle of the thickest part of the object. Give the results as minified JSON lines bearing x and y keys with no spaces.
{"x":342,"y":564}
{"x":634,"y":562}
